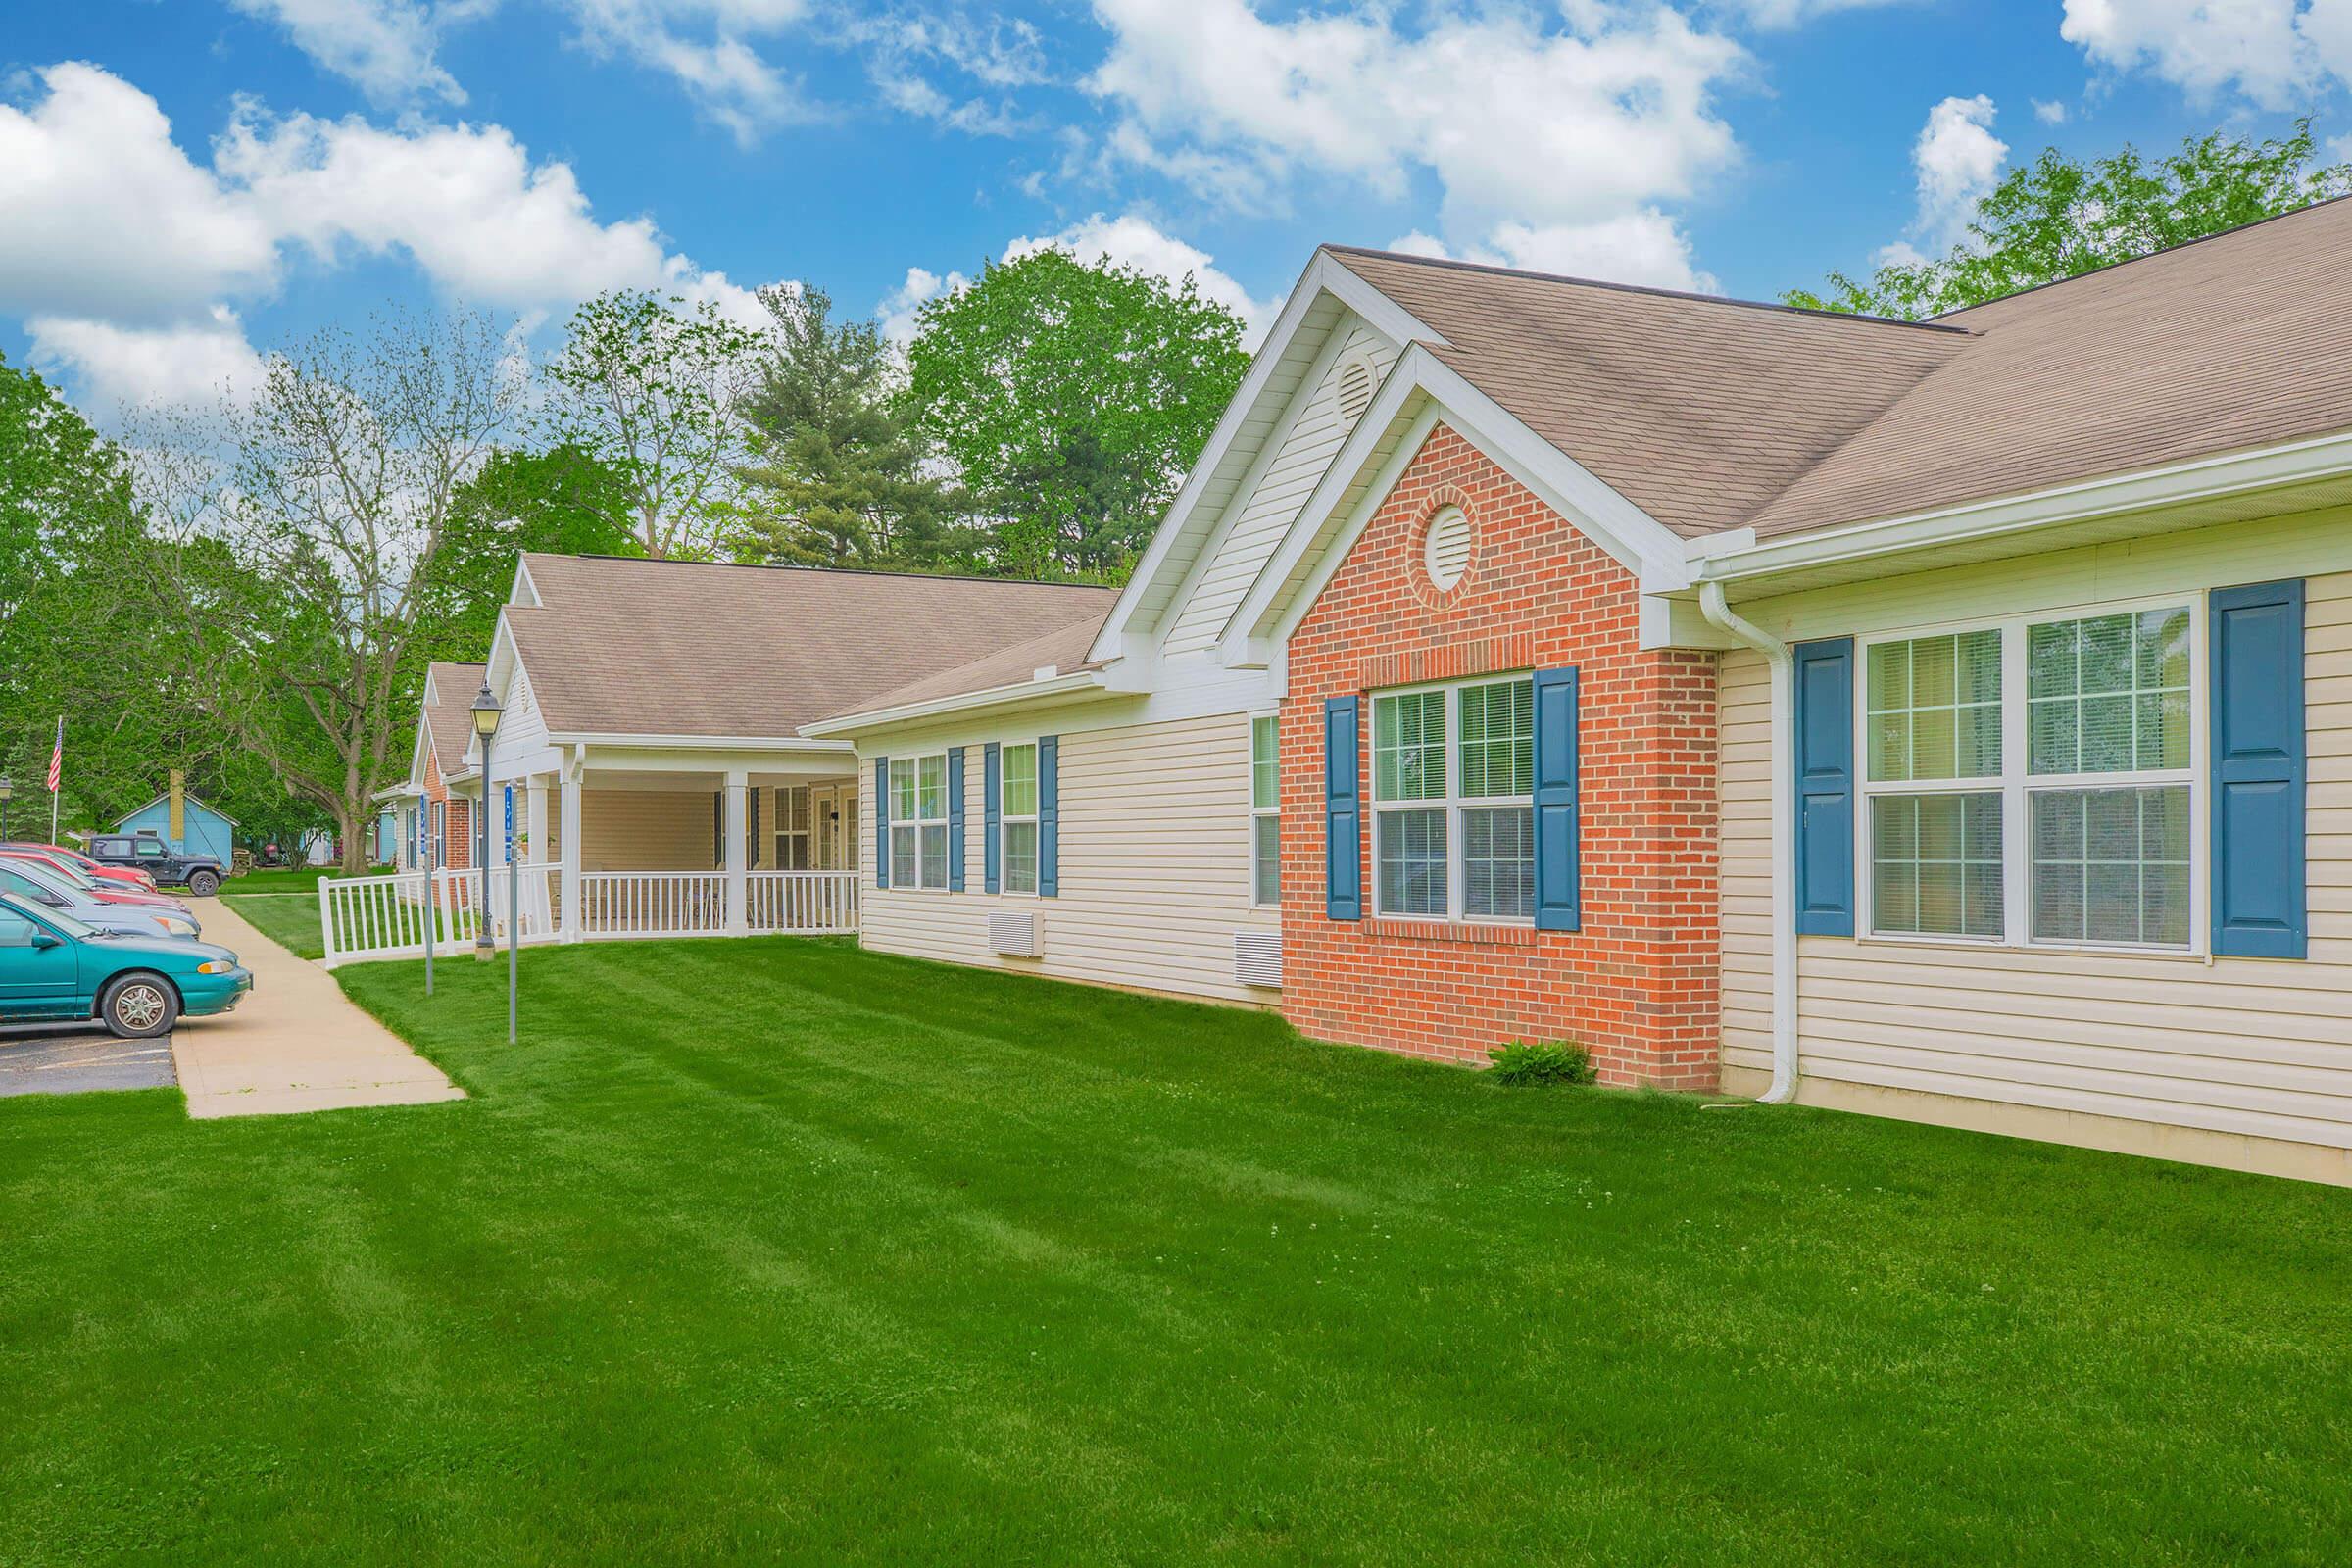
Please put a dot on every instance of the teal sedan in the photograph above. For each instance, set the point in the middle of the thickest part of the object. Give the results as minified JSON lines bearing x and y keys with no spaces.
{"x":54,"y":967}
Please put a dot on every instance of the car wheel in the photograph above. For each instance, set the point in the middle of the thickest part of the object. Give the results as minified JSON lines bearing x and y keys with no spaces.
{"x":204,"y":884}
{"x":138,"y":1007}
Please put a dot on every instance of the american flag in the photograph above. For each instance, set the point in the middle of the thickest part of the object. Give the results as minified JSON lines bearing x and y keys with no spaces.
{"x":57,"y":756}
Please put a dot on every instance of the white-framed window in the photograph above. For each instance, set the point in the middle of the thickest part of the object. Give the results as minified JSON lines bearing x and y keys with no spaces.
{"x":1265,"y":810}
{"x":2033,"y":780}
{"x":918,"y":822}
{"x":1452,"y":801}
{"x":791,"y":828}
{"x":1016,"y":815}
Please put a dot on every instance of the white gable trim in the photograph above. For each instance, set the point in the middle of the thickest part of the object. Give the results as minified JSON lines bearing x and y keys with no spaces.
{"x":1420,"y":392}
{"x":1324,"y":276}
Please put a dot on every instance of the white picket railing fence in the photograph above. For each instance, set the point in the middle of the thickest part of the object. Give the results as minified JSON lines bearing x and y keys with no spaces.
{"x":803,"y":902}
{"x":390,"y":916}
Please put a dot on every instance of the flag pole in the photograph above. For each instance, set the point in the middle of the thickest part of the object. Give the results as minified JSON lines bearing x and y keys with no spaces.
{"x":57,"y":774}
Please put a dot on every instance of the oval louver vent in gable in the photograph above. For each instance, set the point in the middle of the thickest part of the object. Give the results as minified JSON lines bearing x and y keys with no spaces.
{"x":1356,"y":390}
{"x":1447,"y":553}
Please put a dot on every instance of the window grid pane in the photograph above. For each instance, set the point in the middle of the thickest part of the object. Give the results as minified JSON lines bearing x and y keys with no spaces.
{"x":2109,"y":694}
{"x":1264,"y":776}
{"x":902,"y":788}
{"x":1409,"y":747}
{"x":931,"y":788}
{"x":1499,"y":863}
{"x":1498,"y":739}
{"x":1936,"y":865}
{"x":904,"y":870}
{"x":1935,"y":708}
{"x":1411,"y":857}
{"x":934,"y":856}
{"x":1021,"y":856}
{"x":1018,"y":764}
{"x":1266,"y":858}
{"x":2111,"y":866}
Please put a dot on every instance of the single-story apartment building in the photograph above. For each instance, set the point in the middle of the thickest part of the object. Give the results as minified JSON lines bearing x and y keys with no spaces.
{"x":432,"y":809}
{"x":1948,"y":720}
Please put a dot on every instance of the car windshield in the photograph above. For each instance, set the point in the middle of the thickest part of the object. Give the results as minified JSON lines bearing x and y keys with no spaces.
{"x":26,"y":876}
{"x":54,"y":919}
{"x":67,"y":871}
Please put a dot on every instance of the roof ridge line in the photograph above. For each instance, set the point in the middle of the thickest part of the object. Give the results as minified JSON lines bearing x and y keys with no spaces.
{"x":825,"y":571}
{"x":1694,"y":297}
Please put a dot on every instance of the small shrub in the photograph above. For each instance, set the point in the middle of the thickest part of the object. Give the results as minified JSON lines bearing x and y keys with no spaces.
{"x":1542,"y":1062}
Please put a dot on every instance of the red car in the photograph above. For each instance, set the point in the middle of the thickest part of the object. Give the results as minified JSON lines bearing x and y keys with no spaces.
{"x":128,"y":876}
{"x":105,"y":892}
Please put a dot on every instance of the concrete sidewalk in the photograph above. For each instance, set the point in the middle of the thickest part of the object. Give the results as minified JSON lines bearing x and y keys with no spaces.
{"x":296,"y":1042}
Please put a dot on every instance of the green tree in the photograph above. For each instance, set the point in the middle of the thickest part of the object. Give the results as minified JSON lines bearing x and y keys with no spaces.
{"x":297,"y":581}
{"x":1073,"y":398}
{"x":562,"y":501}
{"x":75,"y":641}
{"x":2059,"y":218}
{"x":842,"y":475}
{"x":652,"y":389}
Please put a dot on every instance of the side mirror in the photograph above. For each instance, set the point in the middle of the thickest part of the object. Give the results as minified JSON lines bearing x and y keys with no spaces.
{"x":47,"y":939}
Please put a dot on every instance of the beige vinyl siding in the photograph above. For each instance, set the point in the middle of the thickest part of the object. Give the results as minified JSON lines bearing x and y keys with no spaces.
{"x":644,"y":830}
{"x":2250,"y":1047}
{"x":1261,"y":516}
{"x":1155,"y":864}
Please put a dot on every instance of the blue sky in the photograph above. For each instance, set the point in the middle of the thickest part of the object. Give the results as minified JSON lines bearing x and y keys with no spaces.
{"x":187,"y":182}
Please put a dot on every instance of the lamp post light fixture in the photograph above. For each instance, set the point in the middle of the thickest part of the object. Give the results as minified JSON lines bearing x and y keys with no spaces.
{"x":486,"y":714}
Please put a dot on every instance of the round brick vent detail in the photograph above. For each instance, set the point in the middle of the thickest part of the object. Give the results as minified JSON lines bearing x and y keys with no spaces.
{"x":1446,"y":552}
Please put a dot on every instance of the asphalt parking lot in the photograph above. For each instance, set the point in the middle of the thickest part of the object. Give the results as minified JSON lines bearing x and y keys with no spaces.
{"x":47,"y":1059}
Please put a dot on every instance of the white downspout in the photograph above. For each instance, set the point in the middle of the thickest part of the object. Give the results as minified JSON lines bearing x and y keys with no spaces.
{"x":1712,"y":604}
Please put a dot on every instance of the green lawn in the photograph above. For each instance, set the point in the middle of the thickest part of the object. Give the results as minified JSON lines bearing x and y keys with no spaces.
{"x":302,"y":881}
{"x":779,"y":1249}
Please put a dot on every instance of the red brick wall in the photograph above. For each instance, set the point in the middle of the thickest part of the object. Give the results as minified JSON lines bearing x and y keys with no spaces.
{"x":460,"y":829}
{"x":1637,"y":984}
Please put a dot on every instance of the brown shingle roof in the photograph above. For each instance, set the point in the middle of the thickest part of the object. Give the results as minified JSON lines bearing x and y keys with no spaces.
{"x":1696,"y":410}
{"x":448,"y":720}
{"x":632,"y":647}
{"x":2240,"y":340}
{"x":1065,"y":649}
{"x":1711,"y":413}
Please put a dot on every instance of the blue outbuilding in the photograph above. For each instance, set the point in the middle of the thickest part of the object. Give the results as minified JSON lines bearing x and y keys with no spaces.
{"x":205,"y":831}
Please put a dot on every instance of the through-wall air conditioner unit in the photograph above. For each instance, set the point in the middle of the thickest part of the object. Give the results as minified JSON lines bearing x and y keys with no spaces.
{"x":1014,"y":935}
{"x":1258,"y":959}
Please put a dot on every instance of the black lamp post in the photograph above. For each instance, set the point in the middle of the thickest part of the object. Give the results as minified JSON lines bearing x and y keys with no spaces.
{"x":486,"y":714}
{"x":7,"y":793}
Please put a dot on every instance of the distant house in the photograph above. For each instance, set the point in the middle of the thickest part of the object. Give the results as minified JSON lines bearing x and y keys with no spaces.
{"x":203,"y":830}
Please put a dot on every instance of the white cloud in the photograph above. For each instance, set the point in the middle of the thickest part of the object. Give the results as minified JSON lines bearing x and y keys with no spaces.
{"x":2277,"y":53}
{"x":1642,"y":247}
{"x":120,"y":251}
{"x":182,"y":364}
{"x":383,"y":47}
{"x":106,"y":217}
{"x":1128,"y":240}
{"x":1589,"y":122}
{"x":1958,"y":161}
{"x":1778,"y":13}
{"x":711,"y":47}
{"x":2049,"y":113}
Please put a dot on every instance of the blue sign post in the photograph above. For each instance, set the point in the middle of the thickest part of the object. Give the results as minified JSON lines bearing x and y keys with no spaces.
{"x":510,"y":855}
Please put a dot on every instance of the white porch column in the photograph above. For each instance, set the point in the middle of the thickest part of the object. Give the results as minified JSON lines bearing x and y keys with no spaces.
{"x":739,"y":854}
{"x":536,"y":851}
{"x":571,"y":803}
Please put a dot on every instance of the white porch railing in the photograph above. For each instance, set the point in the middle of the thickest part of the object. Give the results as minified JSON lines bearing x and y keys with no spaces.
{"x":390,"y":916}
{"x":653,"y":904}
{"x":803,"y":902}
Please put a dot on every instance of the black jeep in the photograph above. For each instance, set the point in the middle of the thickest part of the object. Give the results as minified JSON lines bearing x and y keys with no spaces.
{"x":200,"y":874}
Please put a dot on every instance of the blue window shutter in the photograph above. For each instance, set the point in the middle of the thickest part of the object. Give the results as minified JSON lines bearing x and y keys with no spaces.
{"x":1824,"y":681}
{"x":2258,"y":771}
{"x":1343,"y":811}
{"x":954,"y":820}
{"x":881,"y":822}
{"x":1048,"y":816}
{"x":991,"y":803}
{"x":1559,"y":879}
